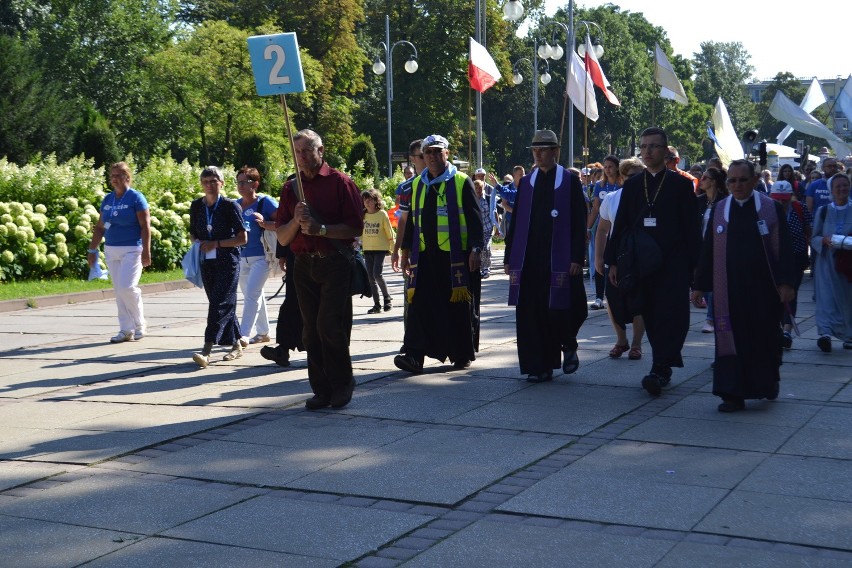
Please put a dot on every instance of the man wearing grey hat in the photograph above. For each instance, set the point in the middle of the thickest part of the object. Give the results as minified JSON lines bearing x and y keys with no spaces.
{"x":441,"y":250}
{"x":545,"y":250}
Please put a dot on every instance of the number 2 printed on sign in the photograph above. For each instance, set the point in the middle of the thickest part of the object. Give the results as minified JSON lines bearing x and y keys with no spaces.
{"x":276,"y":52}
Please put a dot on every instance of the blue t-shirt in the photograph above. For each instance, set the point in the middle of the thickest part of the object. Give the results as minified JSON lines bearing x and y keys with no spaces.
{"x":403,"y":191}
{"x":818,"y":189}
{"x":601,"y":189}
{"x":120,"y":220}
{"x":267,"y":207}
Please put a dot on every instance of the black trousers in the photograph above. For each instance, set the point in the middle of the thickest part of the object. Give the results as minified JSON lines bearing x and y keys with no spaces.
{"x":322,"y":285}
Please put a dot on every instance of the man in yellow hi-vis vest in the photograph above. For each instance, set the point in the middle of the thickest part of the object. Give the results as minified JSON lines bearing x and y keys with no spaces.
{"x":441,"y":250}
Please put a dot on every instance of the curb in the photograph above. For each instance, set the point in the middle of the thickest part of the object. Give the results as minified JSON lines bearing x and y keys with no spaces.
{"x":93,"y":296}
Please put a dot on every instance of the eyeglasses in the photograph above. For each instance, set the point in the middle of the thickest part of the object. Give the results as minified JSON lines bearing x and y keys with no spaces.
{"x":210,"y":181}
{"x":245,"y":182}
{"x":651,"y":147}
{"x":432,"y":151}
{"x":731,"y":181}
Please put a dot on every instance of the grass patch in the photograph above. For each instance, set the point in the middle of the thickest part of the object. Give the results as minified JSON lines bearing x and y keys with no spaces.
{"x":37,"y":288}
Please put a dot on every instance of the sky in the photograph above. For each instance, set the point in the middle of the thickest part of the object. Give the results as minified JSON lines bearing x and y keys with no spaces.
{"x":813,"y":42}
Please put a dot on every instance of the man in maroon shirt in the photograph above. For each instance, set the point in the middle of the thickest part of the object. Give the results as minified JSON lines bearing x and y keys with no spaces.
{"x":332,"y":209}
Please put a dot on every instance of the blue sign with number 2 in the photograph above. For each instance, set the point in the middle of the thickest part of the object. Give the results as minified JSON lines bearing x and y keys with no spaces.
{"x":276,"y":64}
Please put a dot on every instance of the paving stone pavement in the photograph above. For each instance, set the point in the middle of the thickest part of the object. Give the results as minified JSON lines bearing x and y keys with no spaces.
{"x":129,"y":455}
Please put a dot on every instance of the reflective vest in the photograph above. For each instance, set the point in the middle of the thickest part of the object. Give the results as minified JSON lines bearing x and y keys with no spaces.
{"x":418,"y":197}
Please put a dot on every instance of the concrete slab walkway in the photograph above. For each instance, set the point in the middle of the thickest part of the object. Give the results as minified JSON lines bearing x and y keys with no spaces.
{"x":129,"y":455}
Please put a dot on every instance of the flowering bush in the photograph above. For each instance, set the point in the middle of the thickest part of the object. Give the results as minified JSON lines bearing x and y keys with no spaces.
{"x":48,"y":211}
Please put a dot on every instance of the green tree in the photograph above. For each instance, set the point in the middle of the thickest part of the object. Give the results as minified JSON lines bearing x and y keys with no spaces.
{"x":364,"y":151}
{"x":34,"y":117}
{"x":95,"y":139}
{"x":722,"y":70}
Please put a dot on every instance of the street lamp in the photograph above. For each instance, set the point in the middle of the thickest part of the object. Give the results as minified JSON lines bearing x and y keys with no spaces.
{"x":379,"y":68}
{"x":544,"y":78}
{"x":555,"y":52}
{"x":513,"y":10}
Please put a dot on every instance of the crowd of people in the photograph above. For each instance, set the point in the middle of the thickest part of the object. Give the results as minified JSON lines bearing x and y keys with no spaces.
{"x":731,"y":239}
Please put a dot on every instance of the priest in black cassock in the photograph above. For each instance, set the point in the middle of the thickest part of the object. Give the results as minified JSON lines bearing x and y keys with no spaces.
{"x":661,"y":203}
{"x":747,"y":262}
{"x":545,"y":249}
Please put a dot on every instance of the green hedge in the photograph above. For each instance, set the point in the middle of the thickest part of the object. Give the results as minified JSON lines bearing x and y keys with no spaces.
{"x":48,"y":211}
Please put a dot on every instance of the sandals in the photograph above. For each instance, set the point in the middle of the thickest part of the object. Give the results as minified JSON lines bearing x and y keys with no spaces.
{"x":618,"y":350}
{"x":635,"y":353}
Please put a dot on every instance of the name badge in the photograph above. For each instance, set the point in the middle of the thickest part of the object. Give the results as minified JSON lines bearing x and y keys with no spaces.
{"x":107,"y":225}
{"x":762,"y":228}
{"x":650,"y":221}
{"x":442,"y":210}
{"x":210,"y":254}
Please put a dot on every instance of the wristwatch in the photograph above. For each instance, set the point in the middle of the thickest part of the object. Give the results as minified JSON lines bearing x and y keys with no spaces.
{"x":323,"y":230}
{"x":476,"y":250}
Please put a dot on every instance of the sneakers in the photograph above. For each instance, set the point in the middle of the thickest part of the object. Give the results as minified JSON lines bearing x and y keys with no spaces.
{"x":259,"y":338}
{"x":824,"y":343}
{"x":597,"y":304}
{"x":408,"y":363}
{"x":201,"y":359}
{"x":375,"y":309}
{"x":122,"y":336}
{"x":139,"y":333}
{"x":708,"y":327}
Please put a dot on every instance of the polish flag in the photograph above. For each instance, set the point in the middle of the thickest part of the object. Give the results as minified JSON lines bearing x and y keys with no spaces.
{"x":481,"y":69}
{"x":593,"y":67}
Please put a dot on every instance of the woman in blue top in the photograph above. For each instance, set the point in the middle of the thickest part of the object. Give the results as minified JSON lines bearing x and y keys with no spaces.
{"x":609,"y":182}
{"x":254,"y":268}
{"x":217,"y":223}
{"x":126,"y":223}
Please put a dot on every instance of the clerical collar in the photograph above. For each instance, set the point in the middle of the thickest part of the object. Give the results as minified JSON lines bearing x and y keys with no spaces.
{"x":743,"y":201}
{"x":658,"y":174}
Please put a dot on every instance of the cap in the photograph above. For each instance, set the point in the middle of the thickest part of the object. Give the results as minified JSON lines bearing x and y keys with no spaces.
{"x":434,"y":141}
{"x":479,"y":171}
{"x":781,"y":190}
{"x":544,"y":139}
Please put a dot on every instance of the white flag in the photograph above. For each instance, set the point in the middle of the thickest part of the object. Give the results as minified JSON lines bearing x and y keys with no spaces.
{"x":481,"y":69}
{"x":665,"y":76}
{"x":813,"y":98}
{"x":786,"y":110}
{"x":844,"y":99}
{"x":581,"y":90}
{"x":727,"y":143}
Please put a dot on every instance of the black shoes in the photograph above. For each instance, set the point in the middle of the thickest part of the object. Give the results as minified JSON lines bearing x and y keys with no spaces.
{"x":342,"y":397}
{"x":317,"y":402}
{"x":570,"y":361}
{"x":277,"y":354}
{"x":824,"y":343}
{"x":408,"y":363}
{"x":388,"y":305}
{"x":787,"y":340}
{"x":732,"y":405}
{"x":540,"y":378}
{"x":654,"y":381}
{"x":375,"y":309}
{"x":461,"y":364}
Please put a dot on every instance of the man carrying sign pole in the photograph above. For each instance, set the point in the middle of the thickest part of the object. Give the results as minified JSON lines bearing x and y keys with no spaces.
{"x":321,"y":271}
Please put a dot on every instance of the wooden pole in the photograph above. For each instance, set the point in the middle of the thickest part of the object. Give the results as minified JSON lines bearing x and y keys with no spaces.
{"x":300,"y":193}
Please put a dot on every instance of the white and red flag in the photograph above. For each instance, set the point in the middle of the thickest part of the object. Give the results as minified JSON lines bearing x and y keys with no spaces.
{"x":593,"y":68}
{"x":481,"y":69}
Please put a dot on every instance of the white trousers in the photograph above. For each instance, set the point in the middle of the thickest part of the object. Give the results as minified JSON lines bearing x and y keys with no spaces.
{"x":125,"y":269}
{"x":254,"y":272}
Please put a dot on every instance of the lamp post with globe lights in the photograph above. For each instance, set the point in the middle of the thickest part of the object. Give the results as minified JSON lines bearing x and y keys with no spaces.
{"x":545,"y":79}
{"x":379,"y":67}
{"x":513,"y":10}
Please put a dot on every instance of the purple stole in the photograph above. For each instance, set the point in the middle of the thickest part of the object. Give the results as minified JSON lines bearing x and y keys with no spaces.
{"x":560,"y":246}
{"x":771,"y":245}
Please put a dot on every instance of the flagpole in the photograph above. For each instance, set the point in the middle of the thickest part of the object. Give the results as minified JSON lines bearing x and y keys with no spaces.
{"x":479,"y":17}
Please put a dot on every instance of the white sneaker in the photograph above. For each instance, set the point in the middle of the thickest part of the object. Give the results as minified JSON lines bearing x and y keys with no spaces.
{"x":708,"y":327}
{"x":201,"y":360}
{"x":121,"y":337}
{"x":139,"y":333}
{"x":259,"y":338}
